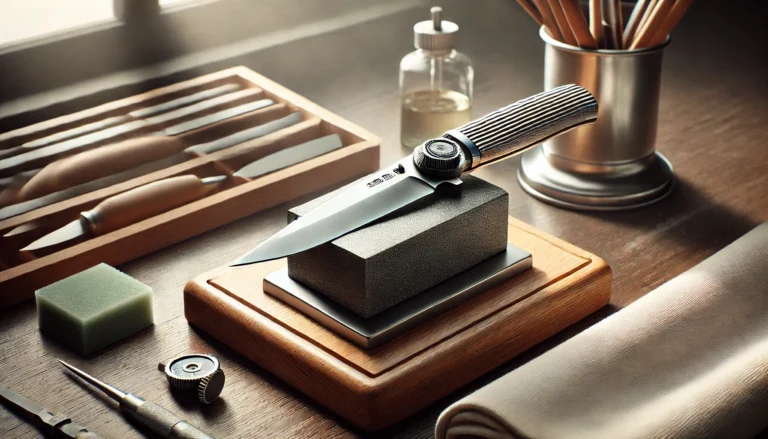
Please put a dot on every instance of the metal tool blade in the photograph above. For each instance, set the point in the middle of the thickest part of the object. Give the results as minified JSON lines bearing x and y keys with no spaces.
{"x":32,"y":410}
{"x":216,"y":117}
{"x":84,"y":188}
{"x":245,"y":135}
{"x":70,"y":133}
{"x":358,"y":204}
{"x":203,"y":105}
{"x":290,"y":156}
{"x":184,"y":100}
{"x":70,"y":232}
{"x":11,"y":163}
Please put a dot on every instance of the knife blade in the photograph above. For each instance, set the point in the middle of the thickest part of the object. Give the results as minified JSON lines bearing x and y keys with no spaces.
{"x":109,"y":180}
{"x":44,"y":155}
{"x":163,"y":195}
{"x":101,"y":162}
{"x":52,"y":425}
{"x":117,"y":120}
{"x":498,"y":135}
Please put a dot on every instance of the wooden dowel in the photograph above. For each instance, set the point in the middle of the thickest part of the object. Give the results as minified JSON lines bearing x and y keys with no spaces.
{"x":562,"y":23}
{"x":634,"y":22}
{"x":674,"y":17}
{"x":656,"y":19}
{"x":596,"y":21}
{"x":643,"y":19}
{"x":578,"y":23}
{"x":532,"y":11}
{"x":548,"y":19}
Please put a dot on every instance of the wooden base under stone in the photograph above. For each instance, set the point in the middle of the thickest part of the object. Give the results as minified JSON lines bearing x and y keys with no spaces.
{"x":376,"y":388}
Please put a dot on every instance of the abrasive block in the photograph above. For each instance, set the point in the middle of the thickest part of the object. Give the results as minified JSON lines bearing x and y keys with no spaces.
{"x":94,"y":308}
{"x":416,"y":247}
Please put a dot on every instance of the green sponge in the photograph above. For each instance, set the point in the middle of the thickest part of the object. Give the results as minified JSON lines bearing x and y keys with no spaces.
{"x":94,"y":308}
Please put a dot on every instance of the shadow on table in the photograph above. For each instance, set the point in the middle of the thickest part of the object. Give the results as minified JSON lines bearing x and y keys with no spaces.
{"x":688,"y":217}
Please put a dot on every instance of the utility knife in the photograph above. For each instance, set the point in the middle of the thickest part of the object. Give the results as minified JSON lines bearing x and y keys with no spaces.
{"x":160,"y":196}
{"x":495,"y":136}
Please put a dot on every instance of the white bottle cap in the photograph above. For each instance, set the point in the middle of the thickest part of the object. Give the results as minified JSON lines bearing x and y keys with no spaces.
{"x":435,"y":34}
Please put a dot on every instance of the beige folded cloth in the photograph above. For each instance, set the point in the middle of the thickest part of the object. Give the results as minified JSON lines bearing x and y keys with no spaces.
{"x":688,"y":360}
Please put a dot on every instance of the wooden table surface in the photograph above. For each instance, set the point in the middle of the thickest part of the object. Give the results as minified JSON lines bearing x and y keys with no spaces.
{"x":713,"y":128}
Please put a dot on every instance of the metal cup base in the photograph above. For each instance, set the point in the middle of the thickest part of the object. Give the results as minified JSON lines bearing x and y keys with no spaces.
{"x":605,"y":187}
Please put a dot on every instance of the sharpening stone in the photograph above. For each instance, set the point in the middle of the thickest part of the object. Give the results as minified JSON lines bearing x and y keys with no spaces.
{"x":94,"y":308}
{"x":414,"y":248}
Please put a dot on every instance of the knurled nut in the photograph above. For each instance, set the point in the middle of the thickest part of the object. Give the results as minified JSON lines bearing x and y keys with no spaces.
{"x":203,"y":386}
{"x":188,"y":383}
{"x":440,"y":162}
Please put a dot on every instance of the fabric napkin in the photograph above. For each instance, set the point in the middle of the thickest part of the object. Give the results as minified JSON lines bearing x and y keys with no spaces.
{"x":688,"y":360}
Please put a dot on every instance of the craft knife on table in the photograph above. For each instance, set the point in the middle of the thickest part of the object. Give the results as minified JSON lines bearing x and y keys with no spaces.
{"x":117,"y":120}
{"x":99,"y":168}
{"x":145,"y":413}
{"x":36,"y":158}
{"x":498,"y":135}
{"x":50,"y":424}
{"x":152,"y":199}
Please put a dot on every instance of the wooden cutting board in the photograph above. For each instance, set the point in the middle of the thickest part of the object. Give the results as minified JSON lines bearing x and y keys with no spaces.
{"x":376,"y":388}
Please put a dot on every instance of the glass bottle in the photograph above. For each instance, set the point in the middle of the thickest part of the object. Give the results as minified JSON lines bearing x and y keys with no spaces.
{"x":435,"y":83}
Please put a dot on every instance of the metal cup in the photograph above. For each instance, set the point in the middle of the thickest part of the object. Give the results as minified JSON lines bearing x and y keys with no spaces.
{"x":611,"y":164}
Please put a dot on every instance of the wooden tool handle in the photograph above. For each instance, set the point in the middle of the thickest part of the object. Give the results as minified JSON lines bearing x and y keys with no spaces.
{"x":144,"y":202}
{"x":100,"y":162}
{"x":526,"y":123}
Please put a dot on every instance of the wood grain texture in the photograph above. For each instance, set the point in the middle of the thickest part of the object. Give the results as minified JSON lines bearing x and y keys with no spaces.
{"x":712,"y":127}
{"x":376,"y":388}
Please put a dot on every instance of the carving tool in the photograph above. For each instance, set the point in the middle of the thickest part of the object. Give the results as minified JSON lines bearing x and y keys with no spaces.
{"x":199,"y":372}
{"x":145,"y":413}
{"x":68,"y":182}
{"x":42,"y":156}
{"x":50,"y":424}
{"x":102,"y":162}
{"x":160,"y":196}
{"x":117,"y":120}
{"x":498,"y":135}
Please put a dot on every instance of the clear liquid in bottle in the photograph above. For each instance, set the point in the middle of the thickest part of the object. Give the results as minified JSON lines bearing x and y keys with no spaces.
{"x":427,"y":114}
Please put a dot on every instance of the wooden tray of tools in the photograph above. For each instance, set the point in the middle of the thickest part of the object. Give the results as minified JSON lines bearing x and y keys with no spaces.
{"x":379,"y":387}
{"x":200,"y":113}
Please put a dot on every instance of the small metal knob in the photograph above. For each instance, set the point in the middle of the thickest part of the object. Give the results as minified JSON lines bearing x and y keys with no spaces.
{"x":201,"y":372}
{"x":439,"y":158}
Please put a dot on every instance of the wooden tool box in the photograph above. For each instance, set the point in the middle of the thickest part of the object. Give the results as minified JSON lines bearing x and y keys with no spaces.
{"x":21,"y":276}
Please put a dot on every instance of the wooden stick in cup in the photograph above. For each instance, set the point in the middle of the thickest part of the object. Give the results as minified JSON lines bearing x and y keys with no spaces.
{"x":653,"y":25}
{"x":548,"y":19}
{"x":596,"y":21}
{"x":562,"y":23}
{"x":643,"y":20}
{"x":578,"y":23}
{"x":634,"y":22}
{"x":674,"y":17}
{"x":532,"y":11}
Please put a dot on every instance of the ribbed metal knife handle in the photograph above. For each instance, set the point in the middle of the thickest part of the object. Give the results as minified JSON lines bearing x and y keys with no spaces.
{"x":526,"y":123}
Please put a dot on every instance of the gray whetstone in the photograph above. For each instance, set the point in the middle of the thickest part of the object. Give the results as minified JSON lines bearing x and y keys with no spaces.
{"x":403,"y":254}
